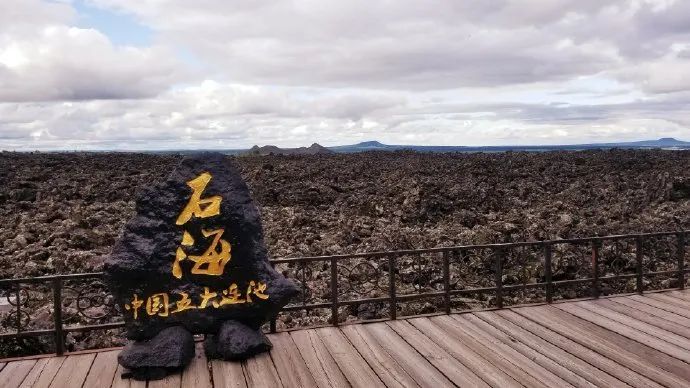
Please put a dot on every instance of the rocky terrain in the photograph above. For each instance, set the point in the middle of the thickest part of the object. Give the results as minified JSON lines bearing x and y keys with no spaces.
{"x":62,"y":212}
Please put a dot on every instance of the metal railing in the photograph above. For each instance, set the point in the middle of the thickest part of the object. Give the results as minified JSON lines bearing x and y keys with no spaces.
{"x":496,"y":275}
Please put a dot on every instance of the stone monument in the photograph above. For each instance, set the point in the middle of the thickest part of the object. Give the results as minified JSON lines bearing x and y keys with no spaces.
{"x":193,"y":261}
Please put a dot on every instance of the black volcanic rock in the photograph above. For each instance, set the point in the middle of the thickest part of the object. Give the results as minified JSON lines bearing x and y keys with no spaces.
{"x":168,"y":352}
{"x":194,"y":255}
{"x":235,"y":341}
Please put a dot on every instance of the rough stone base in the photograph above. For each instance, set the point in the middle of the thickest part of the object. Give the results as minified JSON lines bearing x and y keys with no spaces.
{"x":168,"y":352}
{"x":236,"y":341}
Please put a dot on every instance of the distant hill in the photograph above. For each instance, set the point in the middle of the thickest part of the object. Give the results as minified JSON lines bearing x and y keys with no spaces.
{"x":663,"y":143}
{"x":313,"y":149}
{"x":367,"y":146}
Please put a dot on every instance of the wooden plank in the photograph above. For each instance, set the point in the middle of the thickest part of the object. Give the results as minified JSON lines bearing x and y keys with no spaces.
{"x":628,"y":331}
{"x":353,"y":366}
{"x":73,"y":371}
{"x":680,"y":294}
{"x":461,"y":352}
{"x":49,"y":371}
{"x":648,"y":361}
{"x":588,"y":348}
{"x":196,"y":374}
{"x":102,"y":371}
{"x":228,"y":374}
{"x":509,"y":366}
{"x":383,"y":364}
{"x":453,"y":369}
{"x":496,"y":341}
{"x":661,"y":313}
{"x":119,"y":382}
{"x":662,"y":305}
{"x":634,"y":365}
{"x":644,"y":316}
{"x":423,"y":373}
{"x":260,"y":372}
{"x":635,"y":323}
{"x":169,"y":381}
{"x":319,"y":361}
{"x":572,"y":369}
{"x":290,"y":365}
{"x":682,"y":303}
{"x":14,"y":373}
{"x":34,"y":373}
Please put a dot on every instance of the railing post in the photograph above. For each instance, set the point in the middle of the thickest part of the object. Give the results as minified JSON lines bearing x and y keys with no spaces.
{"x":57,"y":315}
{"x":446,"y":282}
{"x":334,"y":291}
{"x":595,"y":268}
{"x":681,"y":260}
{"x":638,"y":256}
{"x":547,"y":272}
{"x":272,"y":323}
{"x":391,"y":287}
{"x":17,"y":296}
{"x":499,"y":277}
{"x":304,"y":282}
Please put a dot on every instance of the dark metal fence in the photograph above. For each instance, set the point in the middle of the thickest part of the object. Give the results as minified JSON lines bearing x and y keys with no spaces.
{"x":392,"y":284}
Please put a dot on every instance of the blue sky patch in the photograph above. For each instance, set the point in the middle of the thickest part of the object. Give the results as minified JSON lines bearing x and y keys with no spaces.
{"x":120,"y":28}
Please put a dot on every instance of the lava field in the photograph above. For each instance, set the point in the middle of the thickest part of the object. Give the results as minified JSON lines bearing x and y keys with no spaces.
{"x":61,"y":213}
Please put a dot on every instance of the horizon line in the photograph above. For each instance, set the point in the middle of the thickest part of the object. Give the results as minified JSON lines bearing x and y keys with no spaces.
{"x":612,"y":144}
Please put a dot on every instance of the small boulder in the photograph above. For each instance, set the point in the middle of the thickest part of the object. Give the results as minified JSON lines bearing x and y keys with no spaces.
{"x":168,"y":352}
{"x":236,"y":341}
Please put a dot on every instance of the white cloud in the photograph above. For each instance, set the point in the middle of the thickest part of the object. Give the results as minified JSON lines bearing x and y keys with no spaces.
{"x":402,"y":44}
{"x":230,"y":116}
{"x":207,"y":112}
{"x":291,"y":72}
{"x":43,"y":58}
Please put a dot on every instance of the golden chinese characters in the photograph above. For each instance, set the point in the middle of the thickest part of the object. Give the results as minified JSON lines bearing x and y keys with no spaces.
{"x":135,"y":306}
{"x":202,"y":208}
{"x":183,"y":304}
{"x":159,"y":304}
{"x":217,"y":255}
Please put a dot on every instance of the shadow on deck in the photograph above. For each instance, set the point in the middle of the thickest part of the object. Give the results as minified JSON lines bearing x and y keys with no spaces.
{"x":639,"y":341}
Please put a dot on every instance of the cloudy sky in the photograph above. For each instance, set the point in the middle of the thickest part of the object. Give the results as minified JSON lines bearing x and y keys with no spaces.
{"x":173,"y":74}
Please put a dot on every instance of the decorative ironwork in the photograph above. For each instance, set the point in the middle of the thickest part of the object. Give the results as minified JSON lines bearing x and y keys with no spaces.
{"x":618,"y":257}
{"x":92,"y":302}
{"x":522,"y":265}
{"x":22,"y":300}
{"x":571,"y":261}
{"x":362,"y":278}
{"x":302,"y":273}
{"x":470,"y":268}
{"x":16,"y":316}
{"x":418,"y":273}
{"x":659,"y":253}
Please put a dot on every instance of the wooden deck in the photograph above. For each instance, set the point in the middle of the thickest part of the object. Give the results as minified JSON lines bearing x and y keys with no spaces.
{"x":638,"y":341}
